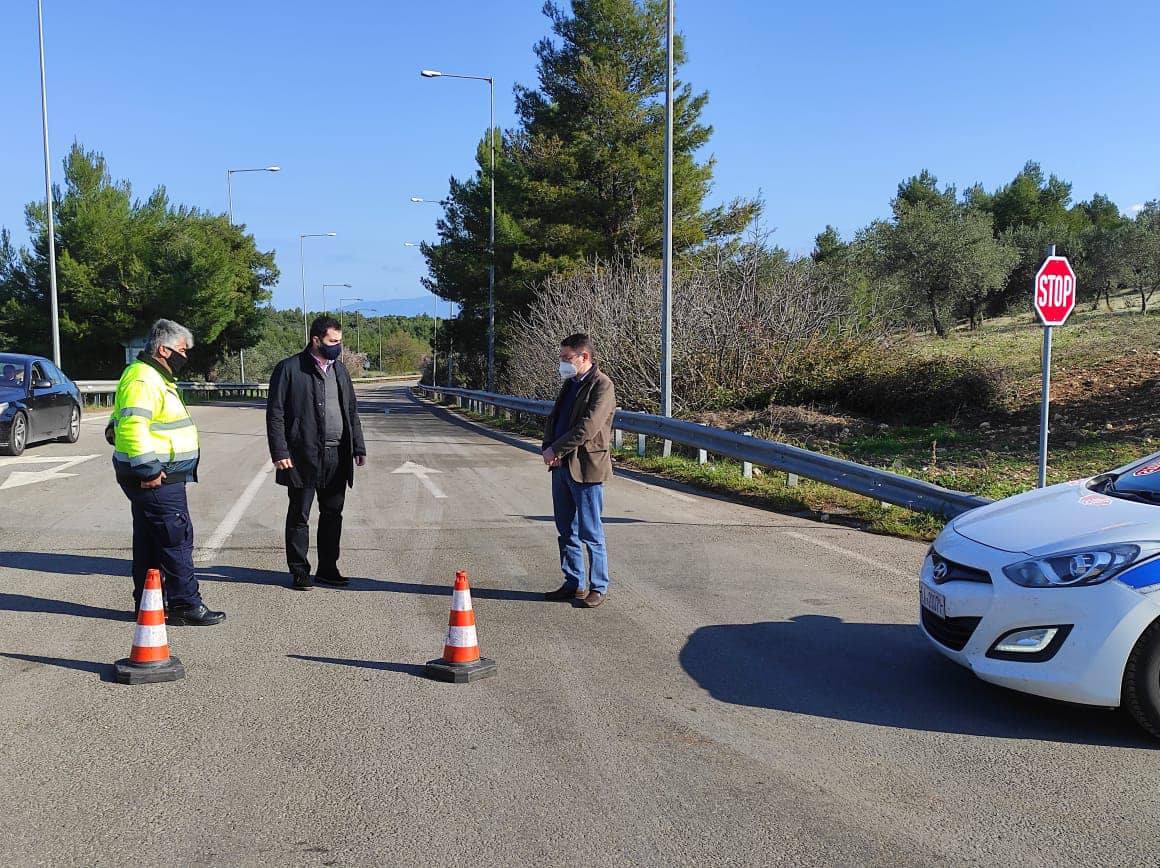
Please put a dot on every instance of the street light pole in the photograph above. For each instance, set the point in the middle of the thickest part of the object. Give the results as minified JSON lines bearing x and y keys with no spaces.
{"x":55,"y":310}
{"x":432,"y":73}
{"x":302,"y":265}
{"x":230,"y":186}
{"x":667,"y":255}
{"x":435,"y":342}
{"x":340,"y":303}
{"x":325,"y":309}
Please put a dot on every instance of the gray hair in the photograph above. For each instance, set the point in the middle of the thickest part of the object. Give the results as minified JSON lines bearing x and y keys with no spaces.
{"x":166,"y":333}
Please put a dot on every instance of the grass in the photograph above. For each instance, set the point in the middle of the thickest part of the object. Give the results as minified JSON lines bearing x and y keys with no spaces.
{"x":1015,"y":342}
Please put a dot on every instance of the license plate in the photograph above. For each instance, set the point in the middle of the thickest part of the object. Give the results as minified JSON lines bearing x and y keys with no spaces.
{"x":932,"y":600}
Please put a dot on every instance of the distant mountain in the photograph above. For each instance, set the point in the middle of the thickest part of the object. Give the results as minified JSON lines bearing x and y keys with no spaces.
{"x":399,"y":307}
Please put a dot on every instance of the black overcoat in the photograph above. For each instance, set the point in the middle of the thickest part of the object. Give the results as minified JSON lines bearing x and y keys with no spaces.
{"x":295,"y":420}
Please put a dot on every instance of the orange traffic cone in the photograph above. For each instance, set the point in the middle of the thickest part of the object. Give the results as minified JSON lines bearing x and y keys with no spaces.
{"x":149,"y":659}
{"x":460,"y":662}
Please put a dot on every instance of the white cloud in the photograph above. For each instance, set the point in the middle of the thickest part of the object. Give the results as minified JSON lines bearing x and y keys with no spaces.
{"x":1135,"y":209}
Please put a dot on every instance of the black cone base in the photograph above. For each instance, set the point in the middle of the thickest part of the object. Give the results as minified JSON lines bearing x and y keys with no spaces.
{"x":460,"y":673}
{"x":148,"y":673}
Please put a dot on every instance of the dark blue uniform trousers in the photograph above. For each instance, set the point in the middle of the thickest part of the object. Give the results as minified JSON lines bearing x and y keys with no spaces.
{"x":163,"y":540}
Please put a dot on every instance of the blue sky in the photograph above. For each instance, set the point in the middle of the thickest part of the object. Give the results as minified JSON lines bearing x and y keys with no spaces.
{"x":822,"y":108}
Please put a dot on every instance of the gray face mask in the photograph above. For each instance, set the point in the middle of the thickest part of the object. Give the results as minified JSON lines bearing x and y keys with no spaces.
{"x":568,"y":370}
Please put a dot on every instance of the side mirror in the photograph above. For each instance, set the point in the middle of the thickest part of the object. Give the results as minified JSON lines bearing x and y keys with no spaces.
{"x":42,"y":384}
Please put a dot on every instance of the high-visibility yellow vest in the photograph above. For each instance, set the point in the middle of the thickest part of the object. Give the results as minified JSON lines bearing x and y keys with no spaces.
{"x":154,"y":431}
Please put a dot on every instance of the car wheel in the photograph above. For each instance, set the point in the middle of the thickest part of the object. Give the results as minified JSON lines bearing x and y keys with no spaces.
{"x":74,"y":426}
{"x":18,"y":436}
{"x":1142,"y":681}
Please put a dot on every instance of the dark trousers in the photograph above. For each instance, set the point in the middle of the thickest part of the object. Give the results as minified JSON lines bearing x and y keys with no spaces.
{"x":331,"y":490}
{"x":163,"y":540}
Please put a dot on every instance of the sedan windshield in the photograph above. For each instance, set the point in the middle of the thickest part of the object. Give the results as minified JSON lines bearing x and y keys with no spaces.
{"x":1141,"y":481}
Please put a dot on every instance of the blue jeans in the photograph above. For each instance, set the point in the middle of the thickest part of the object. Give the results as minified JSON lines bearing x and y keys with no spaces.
{"x":163,"y":540}
{"x":578,"y":506}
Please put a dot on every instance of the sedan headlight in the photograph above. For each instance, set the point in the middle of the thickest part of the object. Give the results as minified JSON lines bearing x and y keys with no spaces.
{"x":1079,"y":567}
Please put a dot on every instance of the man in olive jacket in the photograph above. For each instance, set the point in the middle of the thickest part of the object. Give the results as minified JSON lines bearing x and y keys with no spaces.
{"x":315,"y":439}
{"x":576,"y":440}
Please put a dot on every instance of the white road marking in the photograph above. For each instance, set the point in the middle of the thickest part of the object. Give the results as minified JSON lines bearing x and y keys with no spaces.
{"x":878,"y":565}
{"x":420,"y":471}
{"x":29,"y":477}
{"x":222,"y":531}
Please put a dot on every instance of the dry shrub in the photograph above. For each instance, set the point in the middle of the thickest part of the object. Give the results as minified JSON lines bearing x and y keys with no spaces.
{"x":740,"y":318}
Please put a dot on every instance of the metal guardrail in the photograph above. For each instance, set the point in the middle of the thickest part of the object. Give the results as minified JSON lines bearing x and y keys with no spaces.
{"x":883,"y":485}
{"x":101,"y":392}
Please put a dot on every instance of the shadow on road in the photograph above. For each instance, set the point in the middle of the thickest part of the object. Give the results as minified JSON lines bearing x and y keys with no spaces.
{"x":604,"y":520}
{"x":25,"y":603}
{"x":104,"y":670}
{"x":282,"y":579}
{"x":406,"y":668}
{"x":66,"y":564}
{"x":96,"y":565}
{"x":880,"y":674}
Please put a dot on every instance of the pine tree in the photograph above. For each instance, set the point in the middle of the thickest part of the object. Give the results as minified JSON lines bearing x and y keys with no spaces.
{"x":581,"y":177}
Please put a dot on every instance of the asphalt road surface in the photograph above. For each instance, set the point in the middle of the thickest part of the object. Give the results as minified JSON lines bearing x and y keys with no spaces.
{"x":754,"y":690}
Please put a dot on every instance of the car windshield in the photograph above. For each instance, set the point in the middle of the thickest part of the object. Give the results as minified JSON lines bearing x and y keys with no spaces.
{"x":11,"y":371}
{"x":1141,"y":481}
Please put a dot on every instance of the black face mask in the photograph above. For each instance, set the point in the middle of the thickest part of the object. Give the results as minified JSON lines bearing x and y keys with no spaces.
{"x":330,"y":351}
{"x":176,"y":361}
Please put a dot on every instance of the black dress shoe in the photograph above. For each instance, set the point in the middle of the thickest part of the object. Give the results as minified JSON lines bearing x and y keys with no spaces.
{"x":194,"y":616}
{"x":301,"y":581}
{"x":564,"y":592}
{"x":331,"y":577}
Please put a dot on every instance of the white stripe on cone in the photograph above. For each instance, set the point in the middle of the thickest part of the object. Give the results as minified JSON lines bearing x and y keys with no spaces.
{"x":461,"y":601}
{"x":150,"y":636}
{"x":151,"y":600}
{"x":462,"y":637}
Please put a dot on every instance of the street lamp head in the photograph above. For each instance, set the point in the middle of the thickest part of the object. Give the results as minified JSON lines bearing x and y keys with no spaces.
{"x":410,"y":244}
{"x":273,"y":168}
{"x":418,"y":199}
{"x":430,"y":73}
{"x":331,"y":234}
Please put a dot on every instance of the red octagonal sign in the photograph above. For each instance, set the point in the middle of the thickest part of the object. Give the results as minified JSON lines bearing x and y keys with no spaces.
{"x":1055,"y":291}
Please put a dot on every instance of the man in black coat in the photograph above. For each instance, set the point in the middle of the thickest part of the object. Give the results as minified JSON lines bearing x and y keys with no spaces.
{"x":315,"y":440}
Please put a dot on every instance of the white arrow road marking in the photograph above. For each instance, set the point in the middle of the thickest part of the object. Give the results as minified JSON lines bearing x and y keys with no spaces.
{"x":420,"y":471}
{"x":28,"y":477}
{"x":222,"y":532}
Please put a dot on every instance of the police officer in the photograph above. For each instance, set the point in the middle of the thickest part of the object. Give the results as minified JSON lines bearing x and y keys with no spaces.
{"x":155,"y":454}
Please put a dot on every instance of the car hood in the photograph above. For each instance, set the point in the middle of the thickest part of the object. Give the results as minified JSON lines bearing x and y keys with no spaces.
{"x":1057,"y":518}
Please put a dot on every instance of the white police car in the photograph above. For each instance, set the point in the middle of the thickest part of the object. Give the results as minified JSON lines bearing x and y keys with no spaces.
{"x":1056,"y":592}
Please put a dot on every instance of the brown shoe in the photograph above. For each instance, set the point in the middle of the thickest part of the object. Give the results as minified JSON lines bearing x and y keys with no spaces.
{"x":594,"y":599}
{"x":564,"y":592}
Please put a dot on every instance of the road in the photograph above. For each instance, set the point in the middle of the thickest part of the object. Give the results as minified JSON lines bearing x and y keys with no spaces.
{"x":754,"y":690}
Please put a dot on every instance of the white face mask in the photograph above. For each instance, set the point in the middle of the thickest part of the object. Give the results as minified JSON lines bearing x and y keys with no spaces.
{"x":568,"y":370}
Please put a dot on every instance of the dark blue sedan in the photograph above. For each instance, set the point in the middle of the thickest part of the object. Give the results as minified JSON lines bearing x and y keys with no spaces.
{"x":37,"y":402}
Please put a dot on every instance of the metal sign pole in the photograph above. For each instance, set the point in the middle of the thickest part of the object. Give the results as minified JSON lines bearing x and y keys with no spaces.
{"x":1044,"y":402}
{"x":1045,"y":399}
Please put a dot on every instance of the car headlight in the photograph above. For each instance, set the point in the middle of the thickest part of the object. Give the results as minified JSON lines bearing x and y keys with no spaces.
{"x":1079,"y":567}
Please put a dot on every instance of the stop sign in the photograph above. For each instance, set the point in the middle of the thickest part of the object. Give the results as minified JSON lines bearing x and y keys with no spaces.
{"x":1055,"y":291}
